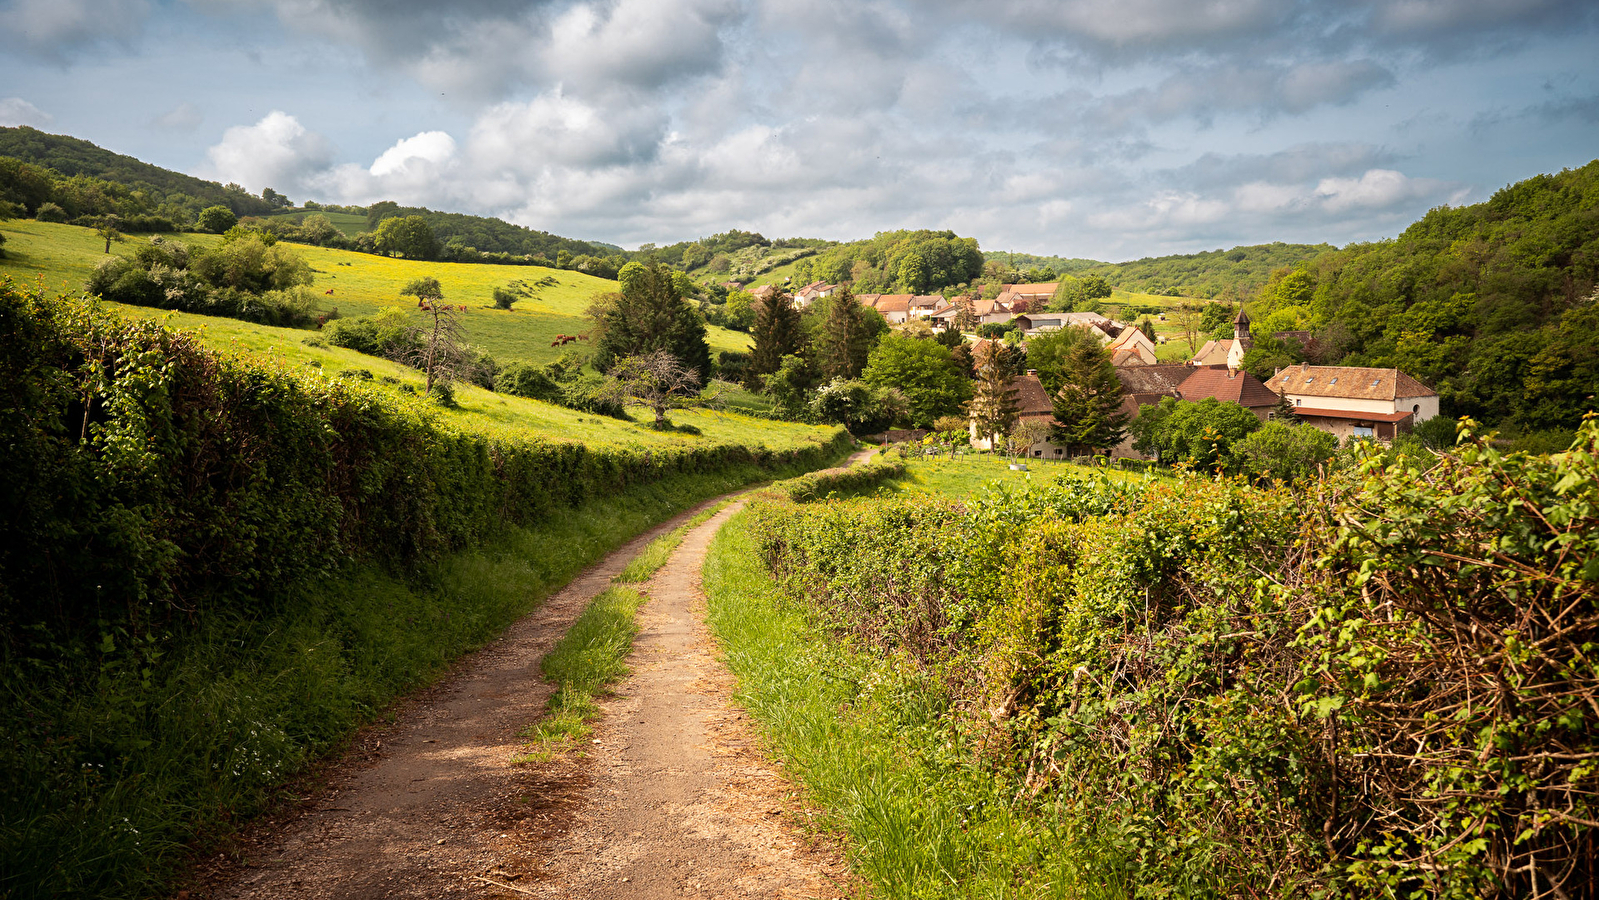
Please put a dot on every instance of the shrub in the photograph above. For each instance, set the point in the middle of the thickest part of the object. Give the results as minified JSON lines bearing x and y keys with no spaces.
{"x":846,"y":480}
{"x":49,"y":211}
{"x":216,"y":219}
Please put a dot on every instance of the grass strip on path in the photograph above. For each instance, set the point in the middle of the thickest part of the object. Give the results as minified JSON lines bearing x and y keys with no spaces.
{"x":588,"y":658}
{"x":591,"y":655}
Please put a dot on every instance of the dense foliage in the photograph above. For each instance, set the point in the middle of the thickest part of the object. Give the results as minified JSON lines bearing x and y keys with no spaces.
{"x":912,"y":262}
{"x":1492,"y":305}
{"x":156,"y":191}
{"x":1382,"y":686}
{"x":245,"y":277}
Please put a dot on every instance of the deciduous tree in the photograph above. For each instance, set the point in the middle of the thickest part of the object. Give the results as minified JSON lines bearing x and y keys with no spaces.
{"x":657,"y":379}
{"x":923,"y":371}
{"x":407,"y":236}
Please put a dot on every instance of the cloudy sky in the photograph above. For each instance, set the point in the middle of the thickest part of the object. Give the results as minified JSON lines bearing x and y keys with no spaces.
{"x":1109,"y":129}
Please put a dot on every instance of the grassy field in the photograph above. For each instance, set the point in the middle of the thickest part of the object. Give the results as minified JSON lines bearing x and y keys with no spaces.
{"x":348,"y":223}
{"x":971,"y":473}
{"x":360,"y":284}
{"x":486,"y":412}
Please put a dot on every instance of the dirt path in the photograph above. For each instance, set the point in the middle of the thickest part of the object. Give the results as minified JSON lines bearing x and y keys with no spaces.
{"x":669,"y":801}
{"x":680,"y":804}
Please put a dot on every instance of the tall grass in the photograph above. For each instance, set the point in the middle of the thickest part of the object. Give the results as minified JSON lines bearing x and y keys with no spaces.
{"x":862,"y":733}
{"x":195,"y":741}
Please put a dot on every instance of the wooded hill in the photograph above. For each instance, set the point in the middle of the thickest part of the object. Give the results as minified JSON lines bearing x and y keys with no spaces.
{"x":1493,"y":305}
{"x":1236,"y":273}
{"x":489,"y":235}
{"x":72,"y":156}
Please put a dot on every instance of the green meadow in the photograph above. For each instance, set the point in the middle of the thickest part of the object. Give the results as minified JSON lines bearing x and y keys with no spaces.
{"x":361,"y":284}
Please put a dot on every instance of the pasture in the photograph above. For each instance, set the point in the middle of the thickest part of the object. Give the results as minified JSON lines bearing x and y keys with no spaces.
{"x":361,"y":284}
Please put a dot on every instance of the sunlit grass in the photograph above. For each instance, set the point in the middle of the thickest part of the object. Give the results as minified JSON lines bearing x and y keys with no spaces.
{"x":362,"y":284}
{"x":971,"y":473}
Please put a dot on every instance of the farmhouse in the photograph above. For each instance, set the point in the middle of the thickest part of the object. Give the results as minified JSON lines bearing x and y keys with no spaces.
{"x":1348,"y":401}
{"x":896,"y":308}
{"x":813,"y":292}
{"x":1132,"y":348}
{"x":1033,"y":405}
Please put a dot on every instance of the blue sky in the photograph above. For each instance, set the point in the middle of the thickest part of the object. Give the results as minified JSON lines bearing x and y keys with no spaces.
{"x":1110,"y":129}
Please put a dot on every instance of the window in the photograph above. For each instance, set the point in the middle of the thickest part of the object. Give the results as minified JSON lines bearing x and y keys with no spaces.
{"x":1334,"y":381}
{"x":1363,"y":431}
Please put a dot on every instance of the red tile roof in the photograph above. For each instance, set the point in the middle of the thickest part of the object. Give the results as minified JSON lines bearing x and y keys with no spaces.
{"x":1241,"y":388}
{"x":1031,"y":398}
{"x":1313,"y":413}
{"x":887,"y":303}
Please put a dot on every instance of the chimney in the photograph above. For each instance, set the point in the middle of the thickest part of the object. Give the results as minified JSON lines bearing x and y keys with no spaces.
{"x":1032,"y":371}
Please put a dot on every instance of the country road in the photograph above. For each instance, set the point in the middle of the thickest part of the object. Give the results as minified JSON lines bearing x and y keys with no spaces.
{"x":671,"y":799}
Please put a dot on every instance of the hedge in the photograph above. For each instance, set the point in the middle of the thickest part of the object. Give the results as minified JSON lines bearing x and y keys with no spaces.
{"x":1383,"y":683}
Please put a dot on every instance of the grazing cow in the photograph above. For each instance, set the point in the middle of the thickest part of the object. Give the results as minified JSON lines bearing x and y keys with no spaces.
{"x":328,"y":291}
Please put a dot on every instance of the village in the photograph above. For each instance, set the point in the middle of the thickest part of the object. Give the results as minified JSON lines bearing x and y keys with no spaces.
{"x":1346,"y":402}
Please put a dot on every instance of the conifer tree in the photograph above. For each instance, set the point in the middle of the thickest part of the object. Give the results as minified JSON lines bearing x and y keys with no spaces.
{"x":1284,"y":412}
{"x":845,"y":342}
{"x":993,"y":406}
{"x":1088,"y":412}
{"x":649,"y":314}
{"x":777,"y":334}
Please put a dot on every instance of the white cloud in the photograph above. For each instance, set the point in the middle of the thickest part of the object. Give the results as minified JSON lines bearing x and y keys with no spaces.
{"x":1377,"y":189}
{"x":276,"y":152}
{"x":423,"y":151}
{"x":554,"y":129}
{"x":16,"y":111}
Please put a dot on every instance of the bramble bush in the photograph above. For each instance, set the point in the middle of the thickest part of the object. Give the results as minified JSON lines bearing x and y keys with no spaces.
{"x":1381,"y":683}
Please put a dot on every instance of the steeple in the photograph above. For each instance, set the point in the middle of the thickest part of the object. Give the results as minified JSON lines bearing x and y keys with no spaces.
{"x":1241,"y":333}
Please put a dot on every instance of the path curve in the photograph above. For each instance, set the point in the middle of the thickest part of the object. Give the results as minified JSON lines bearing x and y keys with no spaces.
{"x":672,"y":799}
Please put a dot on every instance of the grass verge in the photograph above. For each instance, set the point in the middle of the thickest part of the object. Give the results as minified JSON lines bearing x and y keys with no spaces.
{"x":863,"y":735}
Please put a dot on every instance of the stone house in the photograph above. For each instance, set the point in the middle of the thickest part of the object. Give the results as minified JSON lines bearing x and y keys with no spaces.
{"x":1350,"y":401}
